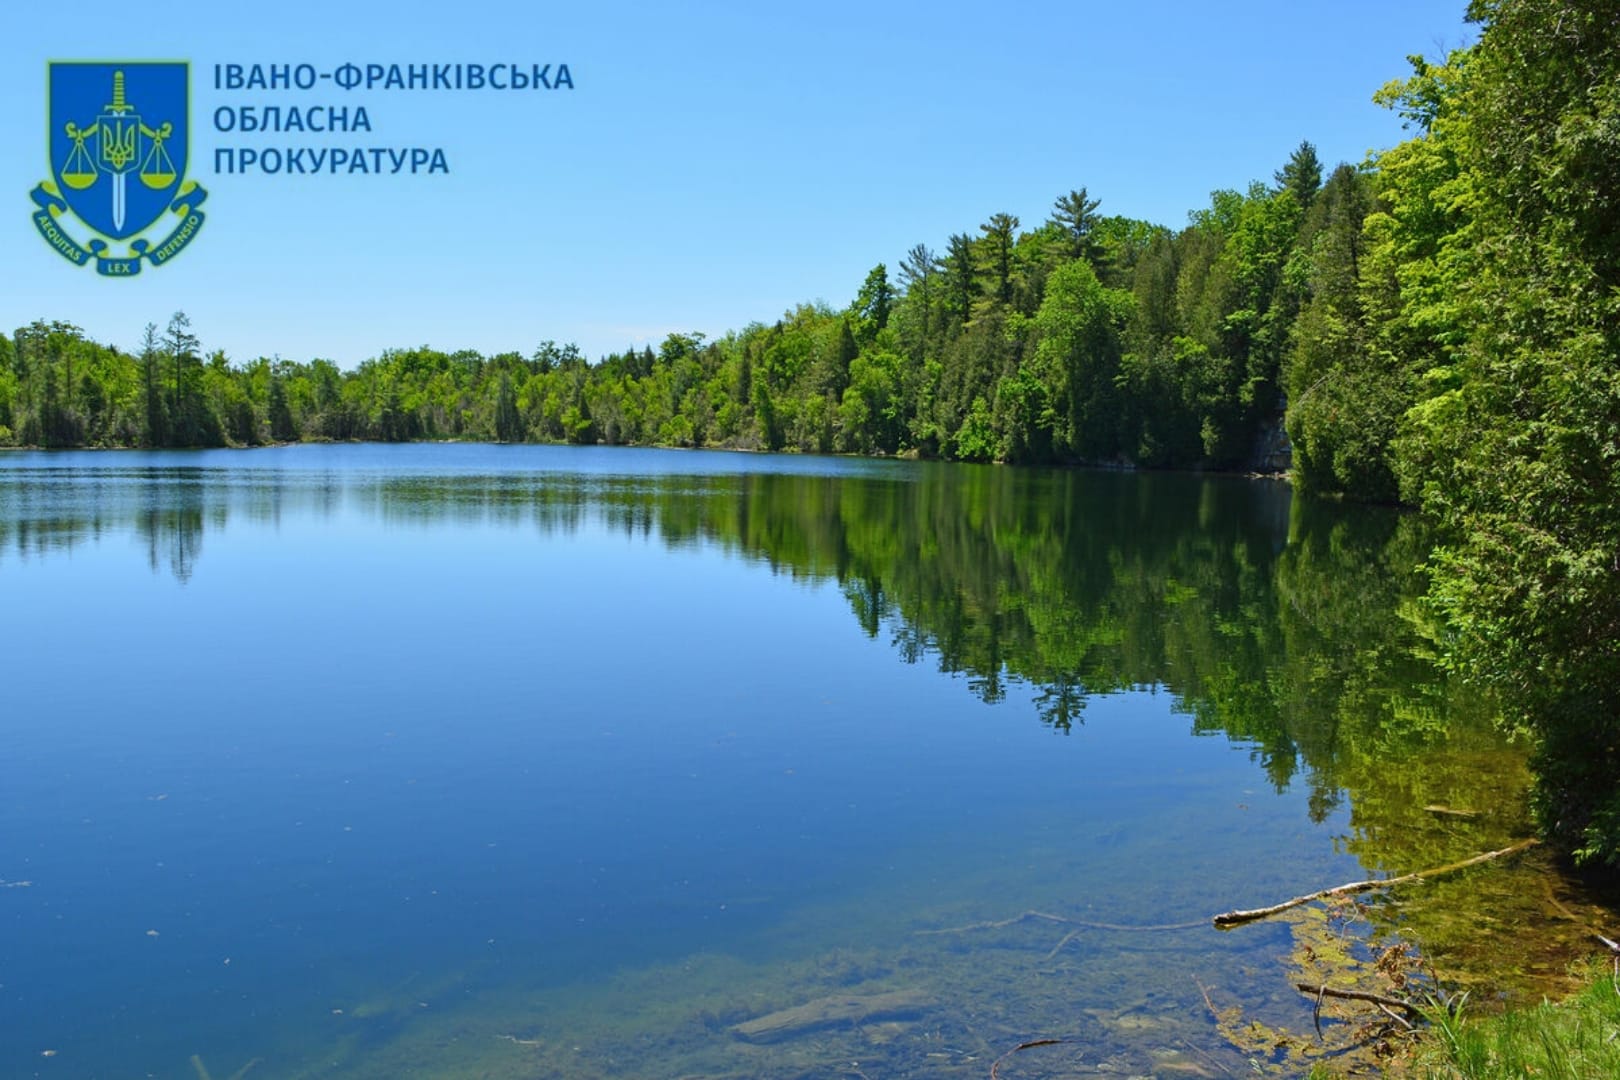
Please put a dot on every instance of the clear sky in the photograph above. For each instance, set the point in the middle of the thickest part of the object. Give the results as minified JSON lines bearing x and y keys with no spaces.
{"x":716,"y":163}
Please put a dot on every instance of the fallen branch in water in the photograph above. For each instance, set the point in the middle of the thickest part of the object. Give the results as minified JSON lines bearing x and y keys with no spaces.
{"x":1070,"y":936}
{"x":1237,"y":918}
{"x":1395,"y":1016}
{"x":1064,"y":920}
{"x":1609,"y":943}
{"x":1202,"y":989}
{"x":1358,"y":995}
{"x":997,"y":925}
{"x":839,"y":1009}
{"x":995,"y":1065}
{"x":520,"y":1042}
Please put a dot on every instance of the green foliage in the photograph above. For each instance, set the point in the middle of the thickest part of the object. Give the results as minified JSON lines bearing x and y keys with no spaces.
{"x":976,"y":441}
{"x":871,"y":417}
{"x":1080,"y":328}
{"x":1515,"y":448}
{"x":1302,"y":176}
{"x":995,"y":258}
{"x":1346,"y":399}
{"x":1572,"y":1040}
{"x":1091,"y":339}
{"x":1075,"y":214}
{"x":873,"y":304}
{"x":279,"y":410}
{"x":508,"y":422}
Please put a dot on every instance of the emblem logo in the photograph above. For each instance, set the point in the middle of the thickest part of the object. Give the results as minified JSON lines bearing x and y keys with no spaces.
{"x":117,"y":135}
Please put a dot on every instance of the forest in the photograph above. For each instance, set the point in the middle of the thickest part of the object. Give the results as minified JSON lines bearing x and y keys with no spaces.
{"x":1437,"y":326}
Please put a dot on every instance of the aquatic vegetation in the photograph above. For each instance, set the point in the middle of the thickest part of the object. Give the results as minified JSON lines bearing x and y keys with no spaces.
{"x":1361,"y":987}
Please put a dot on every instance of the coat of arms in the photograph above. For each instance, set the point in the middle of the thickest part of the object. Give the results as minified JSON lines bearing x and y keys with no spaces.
{"x":118,"y":140}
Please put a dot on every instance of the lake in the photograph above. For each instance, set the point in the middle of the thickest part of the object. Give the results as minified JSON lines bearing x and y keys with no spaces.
{"x":460,"y":760}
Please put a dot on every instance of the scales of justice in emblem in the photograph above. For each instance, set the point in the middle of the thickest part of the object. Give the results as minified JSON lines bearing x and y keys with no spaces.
{"x":124,"y":143}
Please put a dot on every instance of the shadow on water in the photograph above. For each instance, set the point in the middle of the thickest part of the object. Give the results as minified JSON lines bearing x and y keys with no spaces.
{"x":1292,"y":629}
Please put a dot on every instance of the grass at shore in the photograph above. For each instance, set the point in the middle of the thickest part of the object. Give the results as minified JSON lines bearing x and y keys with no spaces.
{"x":1577,"y":1039}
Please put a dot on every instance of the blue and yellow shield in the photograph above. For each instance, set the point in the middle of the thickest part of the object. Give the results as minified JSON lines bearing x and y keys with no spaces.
{"x":117,"y":135}
{"x":118,"y":140}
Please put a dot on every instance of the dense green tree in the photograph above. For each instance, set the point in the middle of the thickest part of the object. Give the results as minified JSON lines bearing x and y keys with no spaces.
{"x":508,"y":421}
{"x":961,"y":283}
{"x":996,"y":261}
{"x":228,"y":397}
{"x":8,"y":389}
{"x":873,"y":305}
{"x":1418,"y":252}
{"x":871,"y":416}
{"x":1523,"y":466}
{"x":1346,"y":398}
{"x":283,"y":428}
{"x":1081,"y":325}
{"x":916,"y":276}
{"x":189,"y":419}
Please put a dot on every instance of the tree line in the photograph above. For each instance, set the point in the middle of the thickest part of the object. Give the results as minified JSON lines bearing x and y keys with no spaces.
{"x":1086,"y":339}
{"x":1438,"y":326}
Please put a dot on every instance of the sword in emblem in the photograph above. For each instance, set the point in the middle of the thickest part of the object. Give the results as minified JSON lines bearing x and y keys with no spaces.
{"x":119,"y":135}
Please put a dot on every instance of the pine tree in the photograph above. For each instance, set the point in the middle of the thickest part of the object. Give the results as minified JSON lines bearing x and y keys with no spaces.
{"x":1302,"y":176}
{"x":1076,"y":214}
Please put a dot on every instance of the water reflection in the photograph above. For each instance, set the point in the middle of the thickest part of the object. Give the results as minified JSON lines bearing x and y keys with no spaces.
{"x":1269,"y":619}
{"x":1258,"y":613}
{"x":1289,"y":625}
{"x":1290,"y":628}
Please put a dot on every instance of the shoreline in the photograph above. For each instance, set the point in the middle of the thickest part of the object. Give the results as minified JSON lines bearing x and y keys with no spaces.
{"x":1279,"y":476}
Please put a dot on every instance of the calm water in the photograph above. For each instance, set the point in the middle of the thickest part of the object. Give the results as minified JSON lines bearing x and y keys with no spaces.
{"x":521,"y":762}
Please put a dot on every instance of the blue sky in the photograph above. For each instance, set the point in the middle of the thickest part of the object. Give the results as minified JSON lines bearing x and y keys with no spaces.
{"x":716,"y":163}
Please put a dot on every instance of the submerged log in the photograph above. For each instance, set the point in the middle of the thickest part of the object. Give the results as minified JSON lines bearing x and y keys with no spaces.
{"x":828,"y":1011}
{"x":995,"y":1066}
{"x":1237,"y":918}
{"x":1320,"y":992}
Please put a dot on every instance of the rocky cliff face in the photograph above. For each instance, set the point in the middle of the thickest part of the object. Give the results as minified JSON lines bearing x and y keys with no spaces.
{"x":1272,"y":452}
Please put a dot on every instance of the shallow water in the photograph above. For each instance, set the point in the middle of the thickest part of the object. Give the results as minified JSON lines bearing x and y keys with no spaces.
{"x":527,"y":761}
